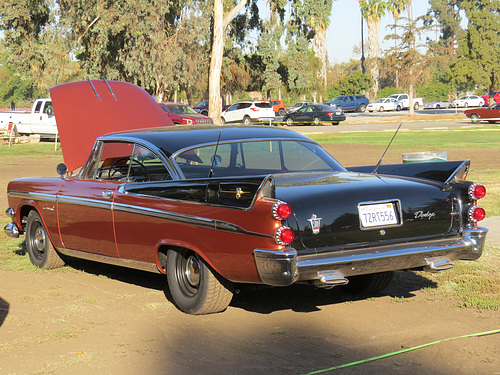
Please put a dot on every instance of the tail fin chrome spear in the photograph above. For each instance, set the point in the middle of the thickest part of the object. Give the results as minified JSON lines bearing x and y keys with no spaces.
{"x":389,"y":145}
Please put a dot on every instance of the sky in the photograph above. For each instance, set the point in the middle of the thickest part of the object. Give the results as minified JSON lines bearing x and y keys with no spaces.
{"x":345,"y":28}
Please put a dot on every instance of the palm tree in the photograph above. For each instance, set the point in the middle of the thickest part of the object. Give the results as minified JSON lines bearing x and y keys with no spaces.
{"x":372,"y":11}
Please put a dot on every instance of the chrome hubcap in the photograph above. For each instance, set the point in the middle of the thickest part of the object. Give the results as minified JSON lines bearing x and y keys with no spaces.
{"x":192,"y":271}
{"x":39,"y":241}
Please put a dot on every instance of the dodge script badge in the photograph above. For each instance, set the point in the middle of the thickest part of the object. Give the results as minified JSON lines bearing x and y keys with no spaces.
{"x":315,"y":223}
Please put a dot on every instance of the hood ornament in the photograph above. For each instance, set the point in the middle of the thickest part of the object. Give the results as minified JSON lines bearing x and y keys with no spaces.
{"x":315,"y":223}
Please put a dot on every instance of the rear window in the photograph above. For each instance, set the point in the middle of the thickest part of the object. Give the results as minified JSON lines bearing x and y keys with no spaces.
{"x":263,"y":105}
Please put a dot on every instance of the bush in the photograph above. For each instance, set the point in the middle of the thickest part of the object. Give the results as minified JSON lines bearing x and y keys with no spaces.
{"x":433,"y":91}
{"x":386,"y":91}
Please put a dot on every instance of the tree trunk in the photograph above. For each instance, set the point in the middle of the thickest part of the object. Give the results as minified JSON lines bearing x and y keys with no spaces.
{"x":319,"y":47}
{"x":373,"y":53}
{"x":214,"y":100}
{"x":219,"y":38}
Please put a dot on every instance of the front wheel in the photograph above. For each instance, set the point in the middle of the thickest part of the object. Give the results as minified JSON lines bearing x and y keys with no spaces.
{"x":289,"y":121}
{"x":381,"y":109}
{"x":316,"y":121}
{"x":40,"y":250}
{"x":416,"y":106}
{"x":475,"y":118}
{"x":194,"y":287}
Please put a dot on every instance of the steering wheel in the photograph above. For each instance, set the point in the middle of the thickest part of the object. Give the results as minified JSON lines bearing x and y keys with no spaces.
{"x":113,"y":169}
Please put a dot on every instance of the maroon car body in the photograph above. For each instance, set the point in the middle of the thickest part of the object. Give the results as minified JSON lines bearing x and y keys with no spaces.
{"x":182,"y":114}
{"x":215,"y":207}
{"x":490,"y":114}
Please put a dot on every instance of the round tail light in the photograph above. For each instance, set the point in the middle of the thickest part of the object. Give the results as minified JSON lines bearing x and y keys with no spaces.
{"x":477,"y":191}
{"x":284,"y":236}
{"x":281,"y":210}
{"x":476,"y":214}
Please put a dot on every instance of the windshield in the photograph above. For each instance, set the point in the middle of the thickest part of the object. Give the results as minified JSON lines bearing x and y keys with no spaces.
{"x":250,"y":158}
{"x":182,"y":110}
{"x":381,"y":100}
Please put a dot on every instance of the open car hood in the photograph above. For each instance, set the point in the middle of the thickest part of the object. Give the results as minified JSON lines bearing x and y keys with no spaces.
{"x":85,"y":110}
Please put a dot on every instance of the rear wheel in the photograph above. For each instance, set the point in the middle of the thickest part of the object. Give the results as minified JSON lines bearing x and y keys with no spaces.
{"x":289,"y":121}
{"x":492,"y":121}
{"x":204,"y":113}
{"x":339,"y":107}
{"x":416,"y":106}
{"x":247,"y":120}
{"x":316,"y":121}
{"x":194,"y":287}
{"x":438,"y":106}
{"x":369,"y":284}
{"x":281,"y":112}
{"x":398,"y":108}
{"x":474,"y":117}
{"x":40,"y":250}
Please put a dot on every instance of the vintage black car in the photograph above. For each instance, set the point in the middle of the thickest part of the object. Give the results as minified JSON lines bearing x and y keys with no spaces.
{"x":315,"y":114}
{"x":219,"y":206}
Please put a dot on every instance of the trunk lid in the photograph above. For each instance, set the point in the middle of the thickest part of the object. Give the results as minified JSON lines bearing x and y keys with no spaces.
{"x":346,"y":209}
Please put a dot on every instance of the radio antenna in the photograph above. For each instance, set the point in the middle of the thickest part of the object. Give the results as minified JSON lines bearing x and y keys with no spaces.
{"x":389,"y":145}
{"x":214,"y":156}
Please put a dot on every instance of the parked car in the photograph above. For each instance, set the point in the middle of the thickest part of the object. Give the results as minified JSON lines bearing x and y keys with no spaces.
{"x":385,"y":104}
{"x":314,"y":115}
{"x":297,"y":106}
{"x":486,"y":98}
{"x":181,"y":114}
{"x":40,"y":120}
{"x":350,"y":103}
{"x":438,"y":104}
{"x":215,"y":207}
{"x":490,"y":114}
{"x":405,"y":100}
{"x":468,"y":101}
{"x":279,"y":107}
{"x":202,"y":107}
{"x":249,"y":112}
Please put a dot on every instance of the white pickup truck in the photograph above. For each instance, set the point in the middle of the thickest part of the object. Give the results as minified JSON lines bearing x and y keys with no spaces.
{"x":40,"y":120}
{"x":405,"y":99}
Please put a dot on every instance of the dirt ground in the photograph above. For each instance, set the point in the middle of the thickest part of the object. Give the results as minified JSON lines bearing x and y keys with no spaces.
{"x":107,"y":320}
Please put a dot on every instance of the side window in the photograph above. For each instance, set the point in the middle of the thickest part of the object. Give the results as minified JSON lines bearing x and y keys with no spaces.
{"x":38,"y":106}
{"x":122,"y":161}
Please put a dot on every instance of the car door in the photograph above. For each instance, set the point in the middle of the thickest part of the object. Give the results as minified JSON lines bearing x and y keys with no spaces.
{"x":44,"y":122}
{"x":234,"y":113}
{"x":85,"y":204}
{"x":304,"y":114}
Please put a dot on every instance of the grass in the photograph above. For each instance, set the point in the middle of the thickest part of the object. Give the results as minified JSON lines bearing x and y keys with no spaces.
{"x":45,"y":149}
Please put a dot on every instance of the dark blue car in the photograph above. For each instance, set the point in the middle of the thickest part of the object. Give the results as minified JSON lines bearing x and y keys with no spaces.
{"x":350,"y":103}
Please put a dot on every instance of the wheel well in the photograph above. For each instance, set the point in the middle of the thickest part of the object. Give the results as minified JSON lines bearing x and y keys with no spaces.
{"x":23,"y":214}
{"x":162,"y":255}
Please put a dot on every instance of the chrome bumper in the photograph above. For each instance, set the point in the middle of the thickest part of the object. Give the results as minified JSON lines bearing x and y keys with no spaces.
{"x":280,"y":268}
{"x":11,"y":230}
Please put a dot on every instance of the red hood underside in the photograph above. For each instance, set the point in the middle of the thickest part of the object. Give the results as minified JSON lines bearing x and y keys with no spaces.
{"x":83,"y":114}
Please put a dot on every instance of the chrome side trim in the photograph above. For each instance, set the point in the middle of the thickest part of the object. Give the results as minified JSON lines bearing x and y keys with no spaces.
{"x":143,"y":266}
{"x":138,"y":210}
{"x":30,"y":195}
{"x":284,"y":268}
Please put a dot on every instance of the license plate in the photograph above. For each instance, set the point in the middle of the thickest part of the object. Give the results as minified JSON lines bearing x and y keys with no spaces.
{"x":377,"y":215}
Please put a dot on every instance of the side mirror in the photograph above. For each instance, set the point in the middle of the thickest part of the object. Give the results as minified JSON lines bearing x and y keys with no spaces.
{"x":62,"y":169}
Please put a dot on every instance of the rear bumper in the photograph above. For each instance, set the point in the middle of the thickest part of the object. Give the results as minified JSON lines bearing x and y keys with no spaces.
{"x":280,"y":268}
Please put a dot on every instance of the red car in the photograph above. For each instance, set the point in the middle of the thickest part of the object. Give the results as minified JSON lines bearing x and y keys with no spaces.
{"x":181,"y":114}
{"x":486,"y":97}
{"x":490,"y":114}
{"x":215,"y":207}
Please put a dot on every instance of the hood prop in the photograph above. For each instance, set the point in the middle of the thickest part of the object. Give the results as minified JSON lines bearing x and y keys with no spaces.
{"x":380,"y":161}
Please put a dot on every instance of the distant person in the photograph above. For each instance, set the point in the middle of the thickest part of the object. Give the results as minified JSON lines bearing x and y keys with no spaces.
{"x":13,"y":106}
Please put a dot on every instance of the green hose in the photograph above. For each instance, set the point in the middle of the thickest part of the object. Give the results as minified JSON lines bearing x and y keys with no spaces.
{"x":402,"y":351}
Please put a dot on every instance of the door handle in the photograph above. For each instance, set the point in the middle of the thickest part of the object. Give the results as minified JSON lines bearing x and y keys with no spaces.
{"x":108,"y":194}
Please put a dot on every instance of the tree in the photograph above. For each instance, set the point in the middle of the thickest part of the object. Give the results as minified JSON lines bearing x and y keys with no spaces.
{"x":220,"y":23}
{"x":372,"y":11}
{"x":396,"y":7}
{"x":479,"y":51}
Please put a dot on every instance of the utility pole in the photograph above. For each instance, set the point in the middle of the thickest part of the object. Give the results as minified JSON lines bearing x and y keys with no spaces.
{"x":363,"y":70}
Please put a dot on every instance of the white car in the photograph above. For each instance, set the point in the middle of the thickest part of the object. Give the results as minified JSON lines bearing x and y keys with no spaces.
{"x":385,"y":104}
{"x":249,"y":112}
{"x":468,"y":101}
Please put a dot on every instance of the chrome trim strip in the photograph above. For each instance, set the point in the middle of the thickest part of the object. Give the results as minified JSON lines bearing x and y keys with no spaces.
{"x":30,"y":195}
{"x":138,"y":210}
{"x":143,"y":266}
{"x":282,"y":268}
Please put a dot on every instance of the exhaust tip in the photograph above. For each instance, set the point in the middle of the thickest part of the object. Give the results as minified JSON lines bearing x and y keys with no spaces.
{"x":329,"y":279}
{"x":438,"y":264}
